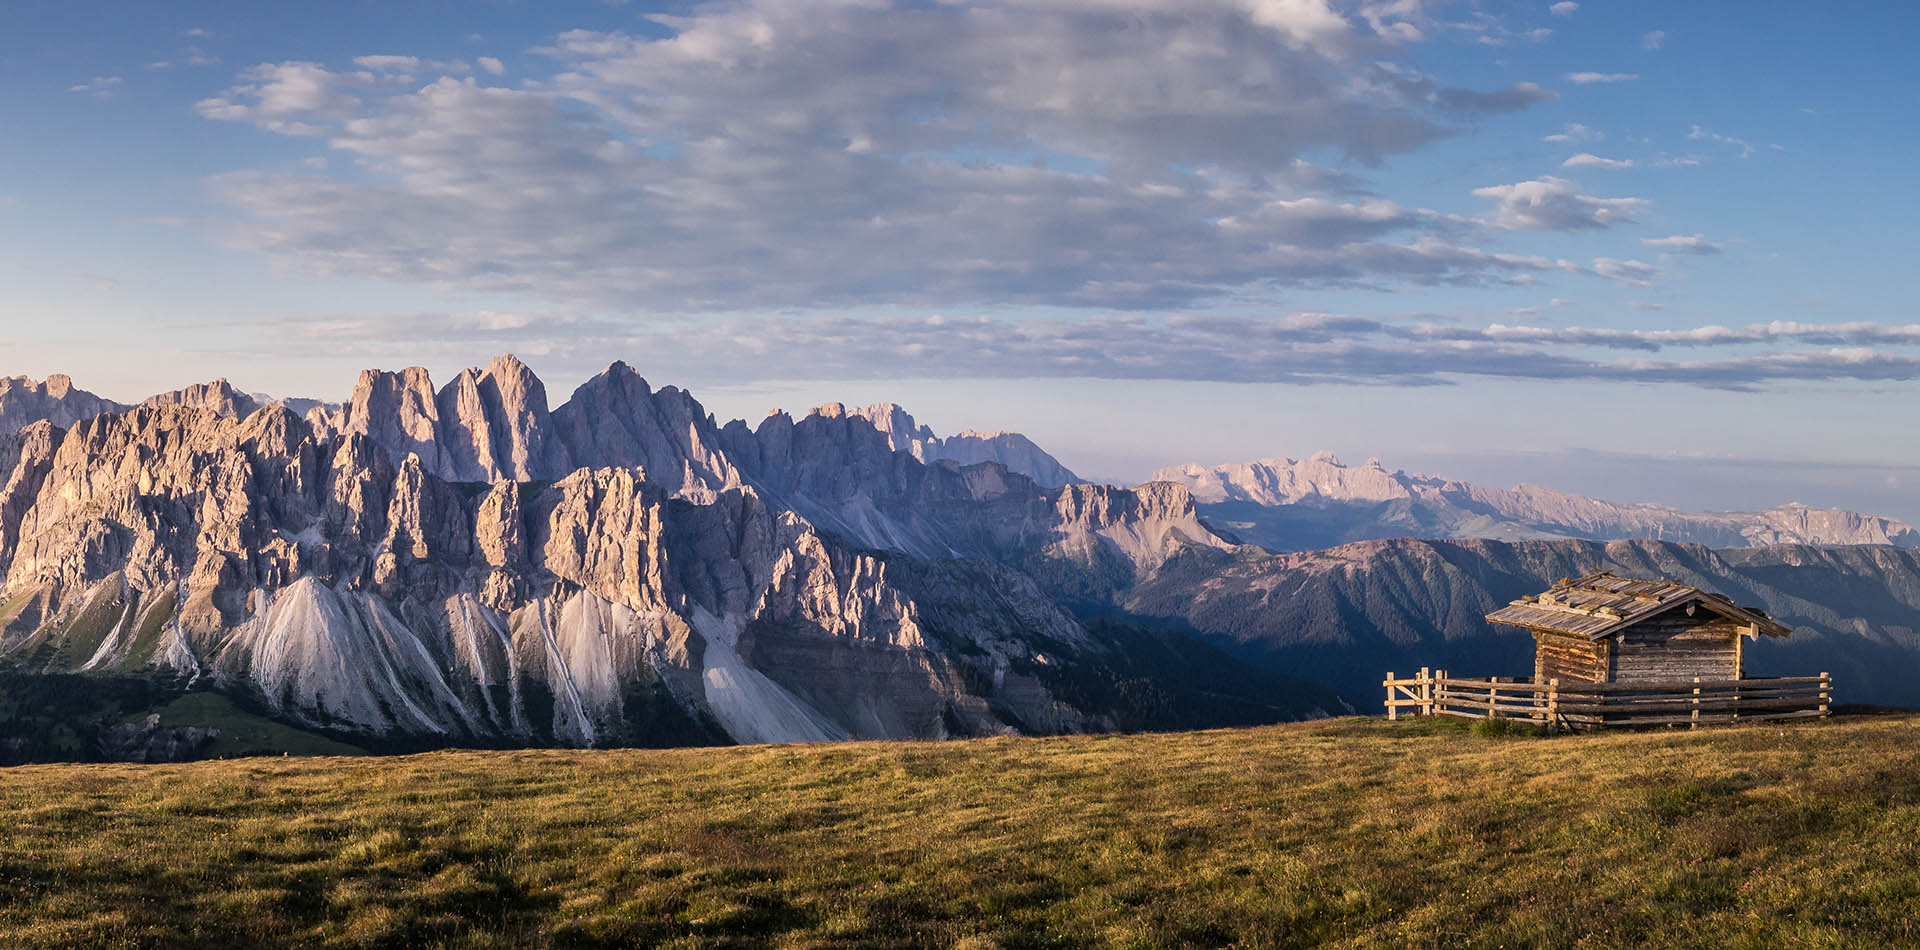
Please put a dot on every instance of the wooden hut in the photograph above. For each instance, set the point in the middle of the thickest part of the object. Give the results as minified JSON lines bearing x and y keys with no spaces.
{"x":1608,"y":629}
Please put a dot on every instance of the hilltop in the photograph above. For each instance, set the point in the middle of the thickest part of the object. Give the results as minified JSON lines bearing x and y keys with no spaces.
{"x":1346,"y":832}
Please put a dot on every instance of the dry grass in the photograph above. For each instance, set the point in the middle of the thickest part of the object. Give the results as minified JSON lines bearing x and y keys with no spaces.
{"x":1355,"y":832}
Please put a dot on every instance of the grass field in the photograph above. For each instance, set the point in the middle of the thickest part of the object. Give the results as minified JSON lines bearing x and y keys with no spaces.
{"x":243,"y":733}
{"x":1351,"y":832}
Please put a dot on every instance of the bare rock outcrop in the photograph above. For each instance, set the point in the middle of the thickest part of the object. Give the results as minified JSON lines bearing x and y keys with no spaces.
{"x":616,"y":419}
{"x":1013,"y":451}
{"x":24,"y":401}
{"x":218,"y":397}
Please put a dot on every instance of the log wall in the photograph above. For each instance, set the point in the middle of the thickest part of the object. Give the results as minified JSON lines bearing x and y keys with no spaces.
{"x":1568,"y":659}
{"x":1674,"y":646}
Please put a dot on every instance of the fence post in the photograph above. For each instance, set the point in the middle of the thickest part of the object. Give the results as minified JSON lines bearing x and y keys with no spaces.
{"x":1439,"y":690}
{"x":1393,"y":712}
{"x":1826,"y":692}
{"x":1553,"y":704}
{"x":1426,"y":692}
{"x":1696,"y":704}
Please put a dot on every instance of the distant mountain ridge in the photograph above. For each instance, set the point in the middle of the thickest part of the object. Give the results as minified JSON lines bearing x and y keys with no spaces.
{"x":1344,"y":616}
{"x":24,"y":401}
{"x":1015,"y":451}
{"x":1290,"y":505}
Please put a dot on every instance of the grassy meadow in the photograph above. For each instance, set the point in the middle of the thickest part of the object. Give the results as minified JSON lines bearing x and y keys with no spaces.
{"x":1352,"y":832}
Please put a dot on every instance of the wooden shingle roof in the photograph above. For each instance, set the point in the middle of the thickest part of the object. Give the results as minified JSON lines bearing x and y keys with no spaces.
{"x":1601,"y":604}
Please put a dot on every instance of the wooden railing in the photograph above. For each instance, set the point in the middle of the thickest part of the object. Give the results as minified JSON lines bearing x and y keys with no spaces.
{"x":1561,"y":705}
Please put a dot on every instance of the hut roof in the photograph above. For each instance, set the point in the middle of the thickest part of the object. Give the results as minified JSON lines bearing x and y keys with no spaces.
{"x":1602,"y":604}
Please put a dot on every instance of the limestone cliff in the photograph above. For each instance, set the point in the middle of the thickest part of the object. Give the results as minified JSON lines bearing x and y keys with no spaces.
{"x":25,"y":401}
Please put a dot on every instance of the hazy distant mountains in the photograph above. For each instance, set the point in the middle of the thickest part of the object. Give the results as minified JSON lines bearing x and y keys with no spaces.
{"x":1288,"y":505}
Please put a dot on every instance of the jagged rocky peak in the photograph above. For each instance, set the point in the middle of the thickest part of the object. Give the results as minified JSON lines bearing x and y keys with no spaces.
{"x":481,"y":426}
{"x":24,"y":401}
{"x":1015,"y":451}
{"x":218,"y":397}
{"x":901,"y":430}
{"x":1145,"y":525}
{"x":616,"y":419}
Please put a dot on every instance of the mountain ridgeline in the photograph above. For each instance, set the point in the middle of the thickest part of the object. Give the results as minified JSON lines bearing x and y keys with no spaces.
{"x":1347,"y":614}
{"x":466,"y":565}
{"x":1288,"y":505}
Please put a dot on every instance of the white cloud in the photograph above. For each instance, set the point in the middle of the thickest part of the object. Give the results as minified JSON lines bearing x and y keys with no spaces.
{"x":1684,"y":243}
{"x":294,"y":98}
{"x":404,"y":67}
{"x":492,"y":65}
{"x":1700,"y":134}
{"x":1590,"y":160}
{"x":771,"y":153}
{"x":1555,"y":204}
{"x":1585,"y":79}
{"x":1654,"y":39}
{"x":1299,"y":348}
{"x":388,"y":63}
{"x":1631,"y":272}
{"x":1574,"y":132}
{"x":97,"y":86}
{"x":1564,"y":8}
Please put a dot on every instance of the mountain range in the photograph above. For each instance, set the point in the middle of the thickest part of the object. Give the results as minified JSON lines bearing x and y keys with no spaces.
{"x":423,"y":565}
{"x":463,"y":564}
{"x":1288,"y":505}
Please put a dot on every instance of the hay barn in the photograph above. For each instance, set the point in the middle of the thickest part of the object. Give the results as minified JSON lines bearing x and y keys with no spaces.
{"x":1603,"y":628}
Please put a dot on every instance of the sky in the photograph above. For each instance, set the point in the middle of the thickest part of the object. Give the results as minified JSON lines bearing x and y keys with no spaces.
{"x":1645,"y":251}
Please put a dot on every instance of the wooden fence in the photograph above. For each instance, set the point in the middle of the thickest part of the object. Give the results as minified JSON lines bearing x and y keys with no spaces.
{"x":1557,"y":705}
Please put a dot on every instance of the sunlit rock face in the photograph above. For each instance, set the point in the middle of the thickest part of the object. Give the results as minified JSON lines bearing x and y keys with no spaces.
{"x":25,"y":401}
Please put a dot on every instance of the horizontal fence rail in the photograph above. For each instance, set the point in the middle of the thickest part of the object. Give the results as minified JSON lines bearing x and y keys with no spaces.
{"x":1565,"y":705}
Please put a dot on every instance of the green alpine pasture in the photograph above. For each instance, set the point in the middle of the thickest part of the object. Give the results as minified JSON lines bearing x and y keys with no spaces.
{"x":1355,"y":832}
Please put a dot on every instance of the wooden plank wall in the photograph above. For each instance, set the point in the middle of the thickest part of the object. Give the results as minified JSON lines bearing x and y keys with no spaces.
{"x":1568,"y":659}
{"x":1674,"y":646}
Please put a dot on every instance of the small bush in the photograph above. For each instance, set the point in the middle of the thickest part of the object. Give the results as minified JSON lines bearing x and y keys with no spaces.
{"x":1500,"y":726}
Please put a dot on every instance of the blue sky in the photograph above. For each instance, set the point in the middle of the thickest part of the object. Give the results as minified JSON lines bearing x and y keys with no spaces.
{"x":1566,"y":243}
